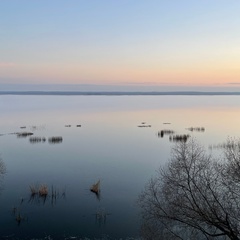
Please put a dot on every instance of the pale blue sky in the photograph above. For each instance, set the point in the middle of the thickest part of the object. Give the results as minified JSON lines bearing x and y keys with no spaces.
{"x":120,"y":42}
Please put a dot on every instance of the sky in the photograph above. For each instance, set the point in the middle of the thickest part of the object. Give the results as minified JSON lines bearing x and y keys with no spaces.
{"x":120,"y":42}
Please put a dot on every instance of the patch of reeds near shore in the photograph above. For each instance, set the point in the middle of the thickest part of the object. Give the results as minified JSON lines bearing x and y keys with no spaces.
{"x":54,"y":140}
{"x":179,"y":138}
{"x":196,"y":129}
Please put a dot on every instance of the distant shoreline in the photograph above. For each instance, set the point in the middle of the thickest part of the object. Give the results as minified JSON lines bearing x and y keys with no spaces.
{"x":120,"y":93}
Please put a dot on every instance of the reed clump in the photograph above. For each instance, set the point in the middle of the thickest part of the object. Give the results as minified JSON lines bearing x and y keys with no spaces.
{"x":196,"y":129}
{"x":96,"y":187}
{"x":24,"y":134}
{"x":179,"y":138}
{"x":54,"y":140}
{"x":41,"y":191}
{"x":37,"y":139}
{"x":165,"y":132}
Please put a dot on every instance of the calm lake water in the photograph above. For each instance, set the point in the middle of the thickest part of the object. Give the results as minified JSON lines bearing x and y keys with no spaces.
{"x":114,"y":144}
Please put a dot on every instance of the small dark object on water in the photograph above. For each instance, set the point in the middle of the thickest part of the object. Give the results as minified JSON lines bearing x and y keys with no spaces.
{"x":67,"y":125}
{"x":79,"y":125}
{"x":23,"y":127}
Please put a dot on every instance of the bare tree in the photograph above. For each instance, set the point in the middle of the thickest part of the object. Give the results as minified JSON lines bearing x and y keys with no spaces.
{"x":193,"y":197}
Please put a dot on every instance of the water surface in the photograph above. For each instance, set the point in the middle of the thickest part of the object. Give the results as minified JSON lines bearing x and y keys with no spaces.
{"x":109,"y":146}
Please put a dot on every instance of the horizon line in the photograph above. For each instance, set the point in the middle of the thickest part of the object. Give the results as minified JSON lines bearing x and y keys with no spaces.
{"x":120,"y":93}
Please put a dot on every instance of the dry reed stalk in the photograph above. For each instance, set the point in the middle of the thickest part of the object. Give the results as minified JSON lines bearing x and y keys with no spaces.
{"x":33,"y":189}
{"x":43,"y":191}
{"x":96,"y":187}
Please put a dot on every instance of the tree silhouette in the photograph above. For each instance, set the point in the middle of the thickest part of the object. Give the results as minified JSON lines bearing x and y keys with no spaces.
{"x":194,"y":196}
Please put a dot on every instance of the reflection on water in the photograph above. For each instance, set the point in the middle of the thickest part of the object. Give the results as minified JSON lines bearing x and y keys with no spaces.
{"x":41,"y":194}
{"x":2,"y":172}
{"x":109,"y":147}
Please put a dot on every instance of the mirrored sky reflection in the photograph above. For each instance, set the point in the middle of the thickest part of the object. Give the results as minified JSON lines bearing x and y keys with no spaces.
{"x":108,"y":146}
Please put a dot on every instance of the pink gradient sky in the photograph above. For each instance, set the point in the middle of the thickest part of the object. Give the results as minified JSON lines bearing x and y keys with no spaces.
{"x":163,"y":43}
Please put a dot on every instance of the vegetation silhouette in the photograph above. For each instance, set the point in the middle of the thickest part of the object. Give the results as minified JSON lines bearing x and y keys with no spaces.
{"x":179,"y":138}
{"x":196,"y":129}
{"x":194,"y":196}
{"x":54,"y":140}
{"x":96,"y":189}
{"x":165,"y":132}
{"x":24,"y":134}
